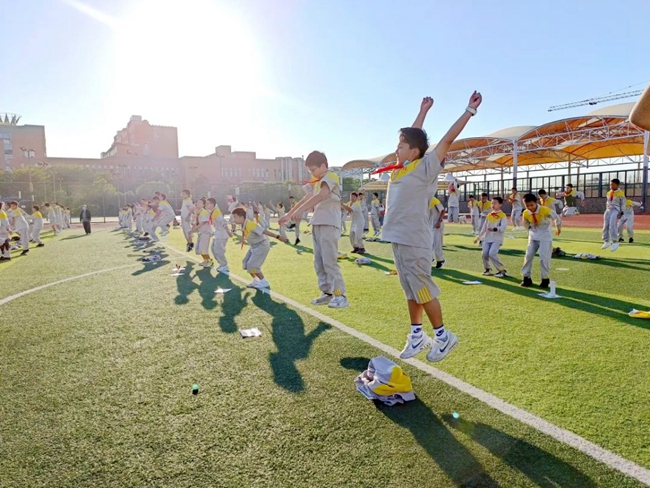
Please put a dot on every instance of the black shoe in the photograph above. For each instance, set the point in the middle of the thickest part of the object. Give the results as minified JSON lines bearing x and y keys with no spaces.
{"x":145,"y":234}
{"x":439,"y":264}
{"x":354,"y":251}
{"x":631,"y":240}
{"x":41,"y":245}
{"x":545,"y":284}
{"x":4,"y":259}
{"x":190,"y":246}
{"x":24,"y":252}
{"x":361,"y":251}
{"x":526,"y":282}
{"x":620,"y":239}
{"x":297,"y":242}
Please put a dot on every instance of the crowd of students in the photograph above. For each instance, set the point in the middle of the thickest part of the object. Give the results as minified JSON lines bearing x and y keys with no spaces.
{"x":28,"y":227}
{"x":412,"y":219}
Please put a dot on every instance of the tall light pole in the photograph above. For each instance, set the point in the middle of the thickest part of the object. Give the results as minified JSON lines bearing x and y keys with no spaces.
{"x":29,"y":154}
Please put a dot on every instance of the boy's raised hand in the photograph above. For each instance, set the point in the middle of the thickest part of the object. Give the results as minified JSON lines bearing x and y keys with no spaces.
{"x":427,"y":103}
{"x":475,"y":100}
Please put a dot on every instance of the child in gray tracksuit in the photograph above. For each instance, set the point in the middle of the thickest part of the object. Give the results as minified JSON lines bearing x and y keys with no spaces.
{"x":494,"y":228}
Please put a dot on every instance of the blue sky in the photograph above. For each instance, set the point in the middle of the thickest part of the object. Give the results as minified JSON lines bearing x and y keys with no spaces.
{"x":284,"y":77}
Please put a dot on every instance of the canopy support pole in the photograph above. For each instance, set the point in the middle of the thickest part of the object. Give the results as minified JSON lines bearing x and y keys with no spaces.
{"x":515,"y":160}
{"x":646,"y":150}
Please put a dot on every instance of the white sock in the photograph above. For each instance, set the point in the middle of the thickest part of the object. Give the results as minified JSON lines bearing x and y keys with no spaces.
{"x":416,"y":330}
{"x":441,"y":333}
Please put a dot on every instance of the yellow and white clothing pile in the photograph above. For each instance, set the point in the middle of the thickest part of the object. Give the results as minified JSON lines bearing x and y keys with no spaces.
{"x":386,"y":382}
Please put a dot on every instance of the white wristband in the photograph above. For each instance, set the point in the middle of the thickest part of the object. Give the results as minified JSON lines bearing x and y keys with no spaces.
{"x":471,"y":110}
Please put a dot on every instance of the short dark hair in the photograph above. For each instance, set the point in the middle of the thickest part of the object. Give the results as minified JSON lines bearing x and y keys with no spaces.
{"x":471,"y":196}
{"x":542,"y":192}
{"x":415,"y":138}
{"x":484,"y":195}
{"x":47,"y":204}
{"x":514,"y":188}
{"x":375,"y":194}
{"x":163,"y":196}
{"x":529,"y":197}
{"x":616,"y":180}
{"x":354,"y":193}
{"x":36,"y":207}
{"x":569,"y":184}
{"x":498,"y":199}
{"x":156,"y":197}
{"x":213,"y":201}
{"x":13,"y":202}
{"x":316,"y":159}
{"x":187,"y":191}
{"x":239,"y":212}
{"x":291,"y":198}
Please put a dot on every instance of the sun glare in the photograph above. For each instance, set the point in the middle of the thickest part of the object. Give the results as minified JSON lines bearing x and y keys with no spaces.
{"x":178,"y":58}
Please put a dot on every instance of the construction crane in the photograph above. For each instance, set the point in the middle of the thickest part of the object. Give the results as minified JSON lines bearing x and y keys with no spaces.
{"x":594,"y":101}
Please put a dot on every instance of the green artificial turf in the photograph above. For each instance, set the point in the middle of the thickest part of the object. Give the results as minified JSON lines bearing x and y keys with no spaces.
{"x":96,"y":373}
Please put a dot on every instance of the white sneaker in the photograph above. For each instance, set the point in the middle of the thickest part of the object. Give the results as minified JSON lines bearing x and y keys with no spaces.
{"x":501,"y":274}
{"x":206,"y":264}
{"x":223,"y":269}
{"x":262,"y":284}
{"x":415,"y":345}
{"x":606,"y":245}
{"x":440,"y":349}
{"x":164,"y":233}
{"x":487,"y":272}
{"x":324,"y":299}
{"x":253,"y":284}
{"x":614,"y":247}
{"x":339,"y":302}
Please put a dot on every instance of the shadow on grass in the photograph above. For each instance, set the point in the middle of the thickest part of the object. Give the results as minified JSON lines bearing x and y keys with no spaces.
{"x":232,"y":305}
{"x":587,"y":302}
{"x":74,"y":237}
{"x":541,"y":467}
{"x":185,"y":284}
{"x":288,"y":331}
{"x":433,"y":435}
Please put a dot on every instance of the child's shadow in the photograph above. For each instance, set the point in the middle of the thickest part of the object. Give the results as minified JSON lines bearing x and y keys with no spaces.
{"x":288,"y":331}
{"x":151,"y":266}
{"x":541,"y":467}
{"x":432,"y":434}
{"x":185,"y":284}
{"x":234,"y":301}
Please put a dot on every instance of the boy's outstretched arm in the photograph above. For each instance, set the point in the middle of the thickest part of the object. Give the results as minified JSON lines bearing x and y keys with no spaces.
{"x":425,"y":106}
{"x":443,"y":146}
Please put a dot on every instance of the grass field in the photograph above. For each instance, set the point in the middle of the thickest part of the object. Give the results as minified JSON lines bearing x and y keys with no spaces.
{"x":96,"y":373}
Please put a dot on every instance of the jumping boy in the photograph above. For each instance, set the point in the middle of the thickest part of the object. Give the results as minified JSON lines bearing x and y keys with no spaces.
{"x":550,"y":202}
{"x":221,"y":235}
{"x":494,"y":228}
{"x":356,"y":223}
{"x":627,"y":221}
{"x":20,"y":225}
{"x":517,"y":208}
{"x":484,"y":208}
{"x":453,"y":201}
{"x":187,"y":207}
{"x":257,"y":239}
{"x":437,"y":215}
{"x":406,"y":225}
{"x":325,"y":199}
{"x":37,"y":225}
{"x":374,"y":214}
{"x":474,"y":215}
{"x":204,"y":228}
{"x":615,"y":209}
{"x":538,"y":222}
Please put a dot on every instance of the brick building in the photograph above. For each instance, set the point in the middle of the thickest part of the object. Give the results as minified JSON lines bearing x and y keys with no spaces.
{"x":142,"y":151}
{"x":21,"y":144}
{"x":232,"y":168}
